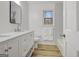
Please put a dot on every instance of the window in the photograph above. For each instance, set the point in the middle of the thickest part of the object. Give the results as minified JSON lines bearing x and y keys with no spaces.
{"x":48,"y":14}
{"x":48,"y":17}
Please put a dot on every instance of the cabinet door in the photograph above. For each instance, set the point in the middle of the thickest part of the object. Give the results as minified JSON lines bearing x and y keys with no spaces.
{"x":25,"y":44}
{"x":23,"y":47}
{"x":30,"y":39}
{"x":13,"y":47}
{"x":29,"y":43}
{"x":3,"y":49}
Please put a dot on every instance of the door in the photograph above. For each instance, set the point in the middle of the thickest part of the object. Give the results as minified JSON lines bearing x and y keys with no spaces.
{"x":69,"y":28}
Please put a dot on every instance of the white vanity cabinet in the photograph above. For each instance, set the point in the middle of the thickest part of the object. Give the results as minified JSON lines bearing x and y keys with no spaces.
{"x":9,"y":48}
{"x":19,"y":46}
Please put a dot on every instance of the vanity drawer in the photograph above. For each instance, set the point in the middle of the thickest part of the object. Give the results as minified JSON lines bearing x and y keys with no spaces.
{"x":13,"y":47}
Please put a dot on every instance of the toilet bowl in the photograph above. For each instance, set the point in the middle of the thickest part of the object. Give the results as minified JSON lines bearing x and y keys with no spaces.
{"x":36,"y":39}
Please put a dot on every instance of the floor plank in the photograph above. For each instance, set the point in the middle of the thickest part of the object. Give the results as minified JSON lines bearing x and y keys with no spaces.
{"x":46,"y":51}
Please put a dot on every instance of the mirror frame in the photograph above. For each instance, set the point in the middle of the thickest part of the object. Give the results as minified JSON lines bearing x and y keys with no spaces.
{"x":10,"y":13}
{"x":10,"y":19}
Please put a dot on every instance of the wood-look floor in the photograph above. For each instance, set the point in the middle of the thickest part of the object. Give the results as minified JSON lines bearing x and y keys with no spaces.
{"x":46,"y":51}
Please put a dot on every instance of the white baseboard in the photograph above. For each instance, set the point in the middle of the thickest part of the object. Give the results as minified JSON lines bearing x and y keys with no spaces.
{"x":60,"y":45}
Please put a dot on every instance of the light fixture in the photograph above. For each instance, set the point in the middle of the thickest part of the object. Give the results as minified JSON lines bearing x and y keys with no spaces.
{"x":17,"y":2}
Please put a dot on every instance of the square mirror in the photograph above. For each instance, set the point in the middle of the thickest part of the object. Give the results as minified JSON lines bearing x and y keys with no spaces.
{"x":15,"y":13}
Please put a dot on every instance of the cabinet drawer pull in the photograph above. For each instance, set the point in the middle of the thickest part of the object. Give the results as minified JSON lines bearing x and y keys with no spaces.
{"x":6,"y":50}
{"x":10,"y":48}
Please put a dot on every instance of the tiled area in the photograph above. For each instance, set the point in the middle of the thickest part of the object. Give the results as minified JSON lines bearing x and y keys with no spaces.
{"x":46,"y":51}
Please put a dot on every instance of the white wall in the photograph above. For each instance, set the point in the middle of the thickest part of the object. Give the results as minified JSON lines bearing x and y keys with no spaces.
{"x":77,"y":27}
{"x":25,"y":21}
{"x":59,"y":26}
{"x":58,"y":19}
{"x":36,"y":18}
{"x":5,"y":25}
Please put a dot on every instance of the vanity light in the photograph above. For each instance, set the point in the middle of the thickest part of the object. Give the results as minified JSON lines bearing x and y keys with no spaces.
{"x":17,"y":2}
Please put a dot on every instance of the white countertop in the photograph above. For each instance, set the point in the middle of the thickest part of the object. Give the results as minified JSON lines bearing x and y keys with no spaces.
{"x":12,"y":35}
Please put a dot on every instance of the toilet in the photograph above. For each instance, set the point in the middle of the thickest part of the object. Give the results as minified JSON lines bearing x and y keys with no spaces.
{"x":36,"y":39}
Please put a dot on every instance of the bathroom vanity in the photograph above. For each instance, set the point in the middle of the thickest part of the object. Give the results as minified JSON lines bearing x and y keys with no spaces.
{"x":17,"y":44}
